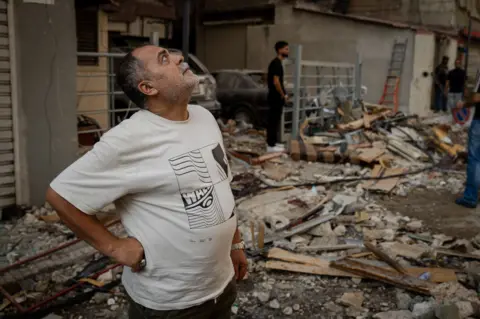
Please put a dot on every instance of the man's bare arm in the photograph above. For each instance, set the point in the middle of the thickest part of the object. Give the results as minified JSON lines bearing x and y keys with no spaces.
{"x":447,"y":88}
{"x":278,"y":86}
{"x":475,"y":98}
{"x":128,"y":251}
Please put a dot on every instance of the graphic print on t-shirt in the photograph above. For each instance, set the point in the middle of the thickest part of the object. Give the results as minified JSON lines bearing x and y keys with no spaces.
{"x":198,"y":172}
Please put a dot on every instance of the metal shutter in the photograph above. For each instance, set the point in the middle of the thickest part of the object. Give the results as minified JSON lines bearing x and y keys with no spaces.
{"x":7,"y":171}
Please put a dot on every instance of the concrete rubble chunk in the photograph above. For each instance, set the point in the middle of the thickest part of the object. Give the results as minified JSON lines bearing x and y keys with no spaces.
{"x":324,"y":241}
{"x":263,"y":296}
{"x":296,"y":307}
{"x":424,"y":310}
{"x":448,"y":311}
{"x":414,"y":226}
{"x":300,"y":239}
{"x":401,"y":314}
{"x":288,"y":311}
{"x":465,"y":309}
{"x":274,"y":304}
{"x":332,"y":307}
{"x":322,"y":230}
{"x":277,"y":221}
{"x":453,"y":292}
{"x":403,"y":300}
{"x":352,"y":299}
{"x":340,"y":230}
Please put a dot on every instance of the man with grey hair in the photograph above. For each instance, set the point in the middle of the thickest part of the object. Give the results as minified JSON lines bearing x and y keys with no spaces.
{"x":167,"y":171}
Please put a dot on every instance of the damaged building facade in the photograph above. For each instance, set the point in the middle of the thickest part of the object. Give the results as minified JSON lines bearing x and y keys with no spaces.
{"x":325,"y":36}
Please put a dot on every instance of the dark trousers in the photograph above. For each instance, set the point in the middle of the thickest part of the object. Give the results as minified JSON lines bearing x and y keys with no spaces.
{"x":440,"y":99}
{"x":219,"y":308}
{"x":274,"y":117}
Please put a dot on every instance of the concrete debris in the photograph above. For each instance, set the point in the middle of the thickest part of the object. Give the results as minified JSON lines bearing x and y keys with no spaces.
{"x":323,"y":203}
{"x":402,"y":314}
{"x":352,"y":299}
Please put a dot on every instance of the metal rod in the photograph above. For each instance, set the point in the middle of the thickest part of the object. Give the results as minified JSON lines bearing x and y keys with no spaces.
{"x":155,"y":38}
{"x":186,"y":29}
{"x":296,"y":90}
{"x":111,"y":88}
{"x":101,"y":54}
{"x":67,"y":290}
{"x":49,"y":251}
{"x":11,"y":299}
{"x":100,"y":93}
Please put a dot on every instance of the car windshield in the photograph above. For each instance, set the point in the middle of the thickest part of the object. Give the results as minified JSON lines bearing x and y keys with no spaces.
{"x":258,"y":78}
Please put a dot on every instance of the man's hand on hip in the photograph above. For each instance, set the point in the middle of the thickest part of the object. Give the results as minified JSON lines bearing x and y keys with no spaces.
{"x":240,"y":263}
{"x":129,"y":252}
{"x":460,"y":104}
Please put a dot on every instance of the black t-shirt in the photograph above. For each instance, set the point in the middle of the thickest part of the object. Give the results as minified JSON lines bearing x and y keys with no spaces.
{"x":456,"y":78}
{"x":441,"y":74}
{"x":275,"y":69}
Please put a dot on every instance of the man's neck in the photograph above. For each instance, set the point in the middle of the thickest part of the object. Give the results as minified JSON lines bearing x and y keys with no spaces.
{"x":280,"y":57}
{"x":178,"y":112}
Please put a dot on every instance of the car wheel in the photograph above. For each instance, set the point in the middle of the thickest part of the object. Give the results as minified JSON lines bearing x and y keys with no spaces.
{"x":245,"y":115}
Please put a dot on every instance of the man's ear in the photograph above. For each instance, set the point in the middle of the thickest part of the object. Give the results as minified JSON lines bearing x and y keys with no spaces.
{"x":146,"y":88}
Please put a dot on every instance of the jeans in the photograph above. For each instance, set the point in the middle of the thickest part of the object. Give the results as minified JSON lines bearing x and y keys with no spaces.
{"x":473,"y":166}
{"x":218,"y":308}
{"x":440,"y":100}
{"x":275,"y":116}
{"x":453,"y":98}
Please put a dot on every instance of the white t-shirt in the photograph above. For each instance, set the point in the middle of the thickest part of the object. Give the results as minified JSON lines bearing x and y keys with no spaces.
{"x":170,"y":182}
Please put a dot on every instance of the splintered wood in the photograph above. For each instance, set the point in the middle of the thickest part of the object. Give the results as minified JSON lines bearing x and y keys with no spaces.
{"x":283,"y":260}
{"x":384,"y":275}
{"x":383,"y":185}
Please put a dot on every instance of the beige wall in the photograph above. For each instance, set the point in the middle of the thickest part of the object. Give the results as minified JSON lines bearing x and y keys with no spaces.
{"x":94,"y":79}
{"x":423,"y":66}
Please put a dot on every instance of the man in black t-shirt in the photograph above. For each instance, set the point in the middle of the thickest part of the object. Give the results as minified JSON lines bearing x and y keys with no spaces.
{"x":276,"y":96}
{"x":470,"y":195}
{"x":440,"y":78}
{"x":455,"y":86}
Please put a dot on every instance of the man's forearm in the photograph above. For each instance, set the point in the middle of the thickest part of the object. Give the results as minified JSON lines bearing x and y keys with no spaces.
{"x":278,"y":86}
{"x":85,"y":226}
{"x":473,"y":100}
{"x":236,"y":237}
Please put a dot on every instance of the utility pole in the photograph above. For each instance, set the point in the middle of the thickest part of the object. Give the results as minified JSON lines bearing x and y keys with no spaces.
{"x":186,"y":28}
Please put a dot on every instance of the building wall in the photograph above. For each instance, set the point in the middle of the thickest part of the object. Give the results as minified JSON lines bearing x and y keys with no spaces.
{"x":91,"y":79}
{"x":423,"y":67}
{"x":335,"y":39}
{"x":45,"y":45}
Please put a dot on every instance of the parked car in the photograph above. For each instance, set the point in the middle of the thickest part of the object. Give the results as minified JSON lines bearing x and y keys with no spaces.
{"x":243,"y":95}
{"x":204,"y":94}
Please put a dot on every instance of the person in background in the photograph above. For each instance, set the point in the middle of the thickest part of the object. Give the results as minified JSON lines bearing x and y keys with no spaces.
{"x":277,"y":96}
{"x":440,"y":78}
{"x":470,"y":195}
{"x":455,"y":85}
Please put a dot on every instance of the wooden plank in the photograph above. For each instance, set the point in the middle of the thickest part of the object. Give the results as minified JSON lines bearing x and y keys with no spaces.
{"x":385,"y":257}
{"x":384,"y":275}
{"x":383,"y":185}
{"x":368,"y":155}
{"x":295,"y":150}
{"x":324,"y":270}
{"x":352,"y":126}
{"x":457,"y":254}
{"x":438,"y":275}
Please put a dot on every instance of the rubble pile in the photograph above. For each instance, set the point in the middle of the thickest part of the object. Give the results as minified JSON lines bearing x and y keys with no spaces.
{"x":320,"y":243}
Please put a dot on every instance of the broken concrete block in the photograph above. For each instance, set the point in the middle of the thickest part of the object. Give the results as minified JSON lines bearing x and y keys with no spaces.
{"x":403,"y":300}
{"x":424,"y":310}
{"x":332,"y":307}
{"x":288,"y":311}
{"x":263,"y":296}
{"x":448,"y":311}
{"x":340,"y":230}
{"x":324,"y":241}
{"x":402,"y":314}
{"x":277,"y":221}
{"x":274,"y":304}
{"x":352,"y":299}
{"x":322,"y":230}
{"x":414,"y":226}
{"x":300,"y":239}
{"x":465,"y":309}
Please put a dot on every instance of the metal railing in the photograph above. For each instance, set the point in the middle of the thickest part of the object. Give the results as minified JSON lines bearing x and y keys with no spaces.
{"x":100,"y":104}
{"x":317,"y":89}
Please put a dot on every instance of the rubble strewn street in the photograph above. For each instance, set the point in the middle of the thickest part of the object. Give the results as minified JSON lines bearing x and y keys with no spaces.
{"x":357,"y":222}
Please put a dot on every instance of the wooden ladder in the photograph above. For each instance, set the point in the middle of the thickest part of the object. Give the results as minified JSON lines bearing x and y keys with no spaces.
{"x":392,"y":83}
